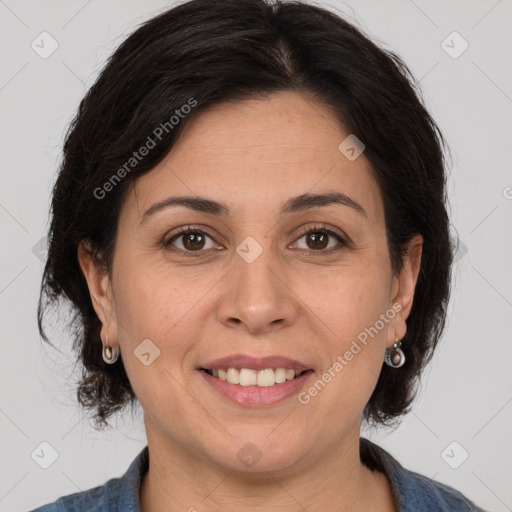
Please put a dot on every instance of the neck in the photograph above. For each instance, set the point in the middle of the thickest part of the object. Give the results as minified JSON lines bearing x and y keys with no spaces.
{"x":179,"y":480}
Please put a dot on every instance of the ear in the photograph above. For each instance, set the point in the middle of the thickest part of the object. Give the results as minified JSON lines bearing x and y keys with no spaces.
{"x":403,"y":287}
{"x":100,"y":290}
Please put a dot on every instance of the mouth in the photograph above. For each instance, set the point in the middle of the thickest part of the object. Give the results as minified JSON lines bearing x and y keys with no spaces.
{"x":266,"y":377}
{"x":255,"y":382}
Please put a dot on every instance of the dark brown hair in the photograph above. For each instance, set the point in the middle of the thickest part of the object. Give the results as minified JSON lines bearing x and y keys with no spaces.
{"x":231,"y":50}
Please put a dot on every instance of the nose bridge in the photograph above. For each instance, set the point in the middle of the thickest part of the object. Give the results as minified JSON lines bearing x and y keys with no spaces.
{"x":257,"y":296}
{"x":254,"y":268}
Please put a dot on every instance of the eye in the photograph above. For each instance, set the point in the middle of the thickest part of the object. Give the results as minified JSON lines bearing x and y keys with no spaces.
{"x":318,"y":239}
{"x":190,"y":240}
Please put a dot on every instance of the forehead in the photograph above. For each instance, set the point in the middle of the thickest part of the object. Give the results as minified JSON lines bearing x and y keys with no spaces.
{"x":258,"y":153}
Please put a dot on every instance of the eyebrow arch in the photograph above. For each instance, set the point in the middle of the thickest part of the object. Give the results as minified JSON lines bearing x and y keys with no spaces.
{"x":294,"y":204}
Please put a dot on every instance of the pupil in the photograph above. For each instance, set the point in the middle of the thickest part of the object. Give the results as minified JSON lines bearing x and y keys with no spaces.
{"x":196,"y":238}
{"x":319,"y":238}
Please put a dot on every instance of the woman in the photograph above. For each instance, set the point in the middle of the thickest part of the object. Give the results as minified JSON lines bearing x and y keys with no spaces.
{"x":250,"y":222}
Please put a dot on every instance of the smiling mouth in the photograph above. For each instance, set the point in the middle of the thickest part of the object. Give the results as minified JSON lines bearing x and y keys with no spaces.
{"x":260,"y":378}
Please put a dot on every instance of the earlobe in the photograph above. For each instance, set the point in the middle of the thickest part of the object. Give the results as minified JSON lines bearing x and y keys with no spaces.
{"x":98,"y":282}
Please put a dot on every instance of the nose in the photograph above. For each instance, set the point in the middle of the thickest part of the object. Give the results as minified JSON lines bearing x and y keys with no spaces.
{"x":257,"y":298}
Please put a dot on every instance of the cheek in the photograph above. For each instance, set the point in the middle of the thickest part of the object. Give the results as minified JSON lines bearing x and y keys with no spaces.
{"x":352,"y":313}
{"x":347,"y":300}
{"x":162,"y":309}
{"x":169,"y":308}
{"x":156,"y":302}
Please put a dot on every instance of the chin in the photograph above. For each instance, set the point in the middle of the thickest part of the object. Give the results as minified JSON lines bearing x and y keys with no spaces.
{"x":260,"y":452}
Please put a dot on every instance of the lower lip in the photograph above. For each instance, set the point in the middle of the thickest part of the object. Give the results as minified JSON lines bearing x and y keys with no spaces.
{"x":255,"y":396}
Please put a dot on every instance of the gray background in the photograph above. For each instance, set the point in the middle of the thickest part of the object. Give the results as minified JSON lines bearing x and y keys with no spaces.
{"x":466,"y":392}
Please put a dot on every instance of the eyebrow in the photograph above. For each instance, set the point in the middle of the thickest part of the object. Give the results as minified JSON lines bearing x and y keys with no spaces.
{"x":294,"y":204}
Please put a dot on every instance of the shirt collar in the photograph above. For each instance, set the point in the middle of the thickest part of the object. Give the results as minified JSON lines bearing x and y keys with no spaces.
{"x":129,"y":485}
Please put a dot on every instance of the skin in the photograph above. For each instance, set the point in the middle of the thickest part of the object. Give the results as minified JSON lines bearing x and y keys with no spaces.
{"x":306,"y":305}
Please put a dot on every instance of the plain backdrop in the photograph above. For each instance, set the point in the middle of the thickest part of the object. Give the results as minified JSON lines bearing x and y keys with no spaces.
{"x":459,"y":431}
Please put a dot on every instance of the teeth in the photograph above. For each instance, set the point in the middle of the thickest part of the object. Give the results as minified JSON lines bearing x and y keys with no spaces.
{"x":247,"y":377}
{"x":266,"y":378}
{"x":233,"y":376}
{"x":261,"y":378}
{"x":280,"y":375}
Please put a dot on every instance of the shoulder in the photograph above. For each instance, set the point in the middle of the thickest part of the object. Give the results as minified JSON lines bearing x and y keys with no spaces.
{"x":415,"y":492}
{"x":422,"y":493}
{"x":93,"y":500}
{"x":117,"y":495}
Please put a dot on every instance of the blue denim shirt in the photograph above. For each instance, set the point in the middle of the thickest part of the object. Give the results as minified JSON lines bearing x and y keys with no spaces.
{"x":412,"y":491}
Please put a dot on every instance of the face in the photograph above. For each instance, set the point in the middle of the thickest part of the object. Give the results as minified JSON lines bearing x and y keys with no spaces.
{"x":262,"y":274}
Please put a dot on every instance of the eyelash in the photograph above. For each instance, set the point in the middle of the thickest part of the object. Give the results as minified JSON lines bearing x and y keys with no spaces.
{"x":185,"y":230}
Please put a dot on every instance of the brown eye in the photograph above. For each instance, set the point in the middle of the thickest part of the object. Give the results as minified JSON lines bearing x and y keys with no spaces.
{"x":193,"y":241}
{"x":189,"y":240}
{"x":318,"y":239}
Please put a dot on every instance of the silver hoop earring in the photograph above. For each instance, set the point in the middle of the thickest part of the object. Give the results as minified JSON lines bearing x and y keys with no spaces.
{"x":110,"y":354}
{"x":394,"y":355}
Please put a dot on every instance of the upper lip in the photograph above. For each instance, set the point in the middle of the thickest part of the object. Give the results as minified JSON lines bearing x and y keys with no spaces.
{"x":255,"y":363}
